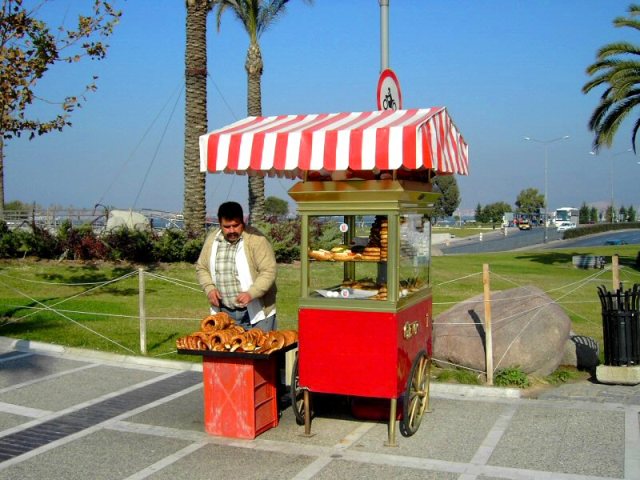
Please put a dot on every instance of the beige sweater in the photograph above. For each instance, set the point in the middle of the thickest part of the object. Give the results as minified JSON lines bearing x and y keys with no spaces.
{"x":262,"y":266}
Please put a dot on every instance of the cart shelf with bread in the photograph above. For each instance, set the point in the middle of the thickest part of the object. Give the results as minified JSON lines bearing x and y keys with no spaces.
{"x":365,"y":181}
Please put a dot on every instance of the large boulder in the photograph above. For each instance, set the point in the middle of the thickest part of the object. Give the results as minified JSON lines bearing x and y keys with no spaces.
{"x":529,"y":331}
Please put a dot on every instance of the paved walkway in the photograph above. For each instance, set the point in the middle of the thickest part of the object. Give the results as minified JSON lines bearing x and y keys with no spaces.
{"x":70,"y":414}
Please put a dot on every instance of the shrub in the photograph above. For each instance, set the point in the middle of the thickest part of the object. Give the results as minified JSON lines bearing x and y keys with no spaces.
{"x":81,"y":243}
{"x":583,"y":230}
{"x":8,"y":242}
{"x":191,"y":249}
{"x":328,"y":235}
{"x":511,"y":377}
{"x":169,"y":246}
{"x":285,"y":238}
{"x":560,"y":376}
{"x":38,"y":242}
{"x":130,"y":245}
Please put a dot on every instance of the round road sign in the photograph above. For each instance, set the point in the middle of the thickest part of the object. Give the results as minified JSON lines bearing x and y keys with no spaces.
{"x":389,"y":94}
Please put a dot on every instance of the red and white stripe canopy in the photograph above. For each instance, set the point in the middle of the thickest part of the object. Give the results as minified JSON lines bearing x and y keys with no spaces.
{"x":289,"y":145}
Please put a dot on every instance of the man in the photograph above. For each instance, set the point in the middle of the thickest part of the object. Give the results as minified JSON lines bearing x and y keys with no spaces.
{"x":237,"y":271}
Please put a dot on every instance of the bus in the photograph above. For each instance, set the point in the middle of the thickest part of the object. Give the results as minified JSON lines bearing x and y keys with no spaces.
{"x":567,"y":214}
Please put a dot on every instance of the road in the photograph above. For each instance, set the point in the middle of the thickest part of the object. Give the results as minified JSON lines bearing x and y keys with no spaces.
{"x":497,"y":241}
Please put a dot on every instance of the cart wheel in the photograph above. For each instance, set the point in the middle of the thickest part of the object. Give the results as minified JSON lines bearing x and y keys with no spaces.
{"x":416,"y":398}
{"x":297,"y":395}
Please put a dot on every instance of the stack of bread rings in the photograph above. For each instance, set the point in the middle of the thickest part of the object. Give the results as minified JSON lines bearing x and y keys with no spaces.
{"x":219,"y":333}
{"x":378,"y":246}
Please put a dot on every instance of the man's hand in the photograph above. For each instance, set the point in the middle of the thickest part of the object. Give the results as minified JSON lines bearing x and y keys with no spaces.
{"x":214,"y":297}
{"x":243,"y":299}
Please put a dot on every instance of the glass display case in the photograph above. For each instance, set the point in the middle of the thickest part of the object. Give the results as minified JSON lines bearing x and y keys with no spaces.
{"x":349,"y":256}
{"x":362,"y":244}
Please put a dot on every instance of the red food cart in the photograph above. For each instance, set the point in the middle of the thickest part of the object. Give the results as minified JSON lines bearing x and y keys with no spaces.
{"x":365,"y":200}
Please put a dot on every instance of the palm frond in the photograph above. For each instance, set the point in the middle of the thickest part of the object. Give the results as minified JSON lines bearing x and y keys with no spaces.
{"x":617,"y":48}
{"x":616,"y":113}
{"x":602,"y":65}
{"x":627,"y":22}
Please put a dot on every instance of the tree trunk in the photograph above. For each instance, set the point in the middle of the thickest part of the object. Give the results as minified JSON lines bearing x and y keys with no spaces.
{"x":254,"y":66}
{"x":1,"y":177}
{"x":195,"y":114}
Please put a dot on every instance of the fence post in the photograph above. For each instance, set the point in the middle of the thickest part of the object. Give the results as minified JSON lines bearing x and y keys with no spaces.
{"x":488,"y":341}
{"x":143,"y":315}
{"x":615,"y":272}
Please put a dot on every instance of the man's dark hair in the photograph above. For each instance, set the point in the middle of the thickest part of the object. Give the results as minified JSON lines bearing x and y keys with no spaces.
{"x":231,"y":211}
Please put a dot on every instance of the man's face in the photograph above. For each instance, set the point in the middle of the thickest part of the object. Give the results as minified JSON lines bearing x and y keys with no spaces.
{"x":231,"y":229}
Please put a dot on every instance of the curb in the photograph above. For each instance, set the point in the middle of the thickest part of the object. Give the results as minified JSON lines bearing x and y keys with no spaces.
{"x":112,"y":358}
{"x":474,"y":391}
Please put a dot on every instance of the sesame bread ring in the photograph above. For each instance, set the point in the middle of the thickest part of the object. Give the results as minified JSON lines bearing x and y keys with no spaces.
{"x":274,"y":340}
{"x":290,"y":337}
{"x":205,"y":339}
{"x":235,"y":342}
{"x":217,"y":321}
{"x":220,"y":339}
{"x":208,"y":323}
{"x":252,"y":339}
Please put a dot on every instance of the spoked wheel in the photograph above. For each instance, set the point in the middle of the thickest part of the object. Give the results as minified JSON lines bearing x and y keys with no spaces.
{"x":416,"y":398}
{"x":297,"y":395}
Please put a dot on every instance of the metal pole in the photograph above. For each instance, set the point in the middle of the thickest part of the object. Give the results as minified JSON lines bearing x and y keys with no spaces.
{"x":613,"y":211}
{"x":546,"y":144}
{"x":384,"y":34}
{"x":546,"y":202}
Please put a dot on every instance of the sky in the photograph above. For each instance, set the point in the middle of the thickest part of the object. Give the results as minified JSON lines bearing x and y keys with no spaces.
{"x":505,"y":70}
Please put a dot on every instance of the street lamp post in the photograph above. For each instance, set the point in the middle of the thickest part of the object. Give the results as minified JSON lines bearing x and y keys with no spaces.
{"x":611,"y":157}
{"x":546,"y":144}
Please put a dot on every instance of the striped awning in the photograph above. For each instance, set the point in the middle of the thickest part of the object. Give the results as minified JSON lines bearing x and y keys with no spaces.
{"x":290,"y":145}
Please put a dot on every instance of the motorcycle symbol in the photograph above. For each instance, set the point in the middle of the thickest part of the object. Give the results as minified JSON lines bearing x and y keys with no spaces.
{"x":388,"y":103}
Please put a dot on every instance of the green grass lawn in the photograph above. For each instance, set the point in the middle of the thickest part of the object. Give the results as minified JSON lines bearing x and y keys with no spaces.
{"x":97,"y":304}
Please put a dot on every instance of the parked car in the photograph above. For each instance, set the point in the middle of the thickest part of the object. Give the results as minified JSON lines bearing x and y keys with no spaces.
{"x":524,"y":225}
{"x":562,"y":226}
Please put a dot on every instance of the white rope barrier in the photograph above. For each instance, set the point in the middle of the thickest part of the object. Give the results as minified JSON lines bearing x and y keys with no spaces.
{"x":61,"y":284}
{"x":46,"y":307}
{"x":174,"y":281}
{"x":109,"y":282}
{"x":481,"y":372}
{"x":99,"y":314}
{"x":458,"y":279}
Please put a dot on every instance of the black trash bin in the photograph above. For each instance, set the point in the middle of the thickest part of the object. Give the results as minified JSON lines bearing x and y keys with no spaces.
{"x":621,"y":326}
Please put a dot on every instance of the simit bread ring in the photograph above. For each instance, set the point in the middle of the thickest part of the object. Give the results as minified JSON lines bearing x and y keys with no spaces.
{"x":218,"y":321}
{"x":274,"y":340}
{"x":290,"y":337}
{"x":252,"y":339}
{"x":220,"y":339}
{"x":235,"y":342}
{"x":205,"y":338}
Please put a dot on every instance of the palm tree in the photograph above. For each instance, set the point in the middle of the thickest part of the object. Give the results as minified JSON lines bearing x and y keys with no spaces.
{"x":195,"y":114}
{"x":256,"y":16}
{"x":617,"y":66}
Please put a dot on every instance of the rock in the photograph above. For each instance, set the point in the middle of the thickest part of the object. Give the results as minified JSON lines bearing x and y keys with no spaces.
{"x":529,"y":331}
